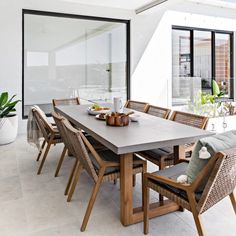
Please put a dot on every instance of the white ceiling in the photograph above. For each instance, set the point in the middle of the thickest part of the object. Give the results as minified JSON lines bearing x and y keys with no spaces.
{"x":124,"y":4}
{"x":134,"y":4}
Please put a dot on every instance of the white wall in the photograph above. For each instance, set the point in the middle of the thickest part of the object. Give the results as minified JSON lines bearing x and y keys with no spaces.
{"x":152,"y":76}
{"x":11,"y":37}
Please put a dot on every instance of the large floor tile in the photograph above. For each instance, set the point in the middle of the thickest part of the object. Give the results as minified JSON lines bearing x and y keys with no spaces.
{"x":70,"y":230}
{"x":8,"y":164}
{"x":10,"y":189}
{"x":13,"y":219}
{"x":46,"y":210}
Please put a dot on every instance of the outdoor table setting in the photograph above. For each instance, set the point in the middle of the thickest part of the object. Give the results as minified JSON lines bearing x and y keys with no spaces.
{"x":115,"y":131}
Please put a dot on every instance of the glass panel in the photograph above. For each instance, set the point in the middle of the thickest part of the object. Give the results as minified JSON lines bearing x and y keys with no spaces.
{"x":222,"y":55}
{"x":181,"y":66}
{"x":181,"y":53}
{"x":202,"y":58}
{"x":67,"y":57}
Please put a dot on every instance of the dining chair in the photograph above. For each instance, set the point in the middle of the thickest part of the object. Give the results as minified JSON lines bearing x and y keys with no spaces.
{"x":221,"y":183}
{"x":97,"y":146}
{"x":50,"y":133}
{"x":58,"y":119}
{"x":66,"y":101}
{"x":75,"y":101}
{"x":164,"y":157}
{"x":158,"y":111}
{"x":101,"y":166}
{"x":136,"y":105}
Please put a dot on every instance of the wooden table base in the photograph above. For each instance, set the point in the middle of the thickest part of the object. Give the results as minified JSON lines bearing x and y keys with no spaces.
{"x":156,"y":209}
{"x":128,"y":214}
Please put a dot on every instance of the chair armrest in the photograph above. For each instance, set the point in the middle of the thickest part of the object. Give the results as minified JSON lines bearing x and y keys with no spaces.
{"x":168,"y":181}
{"x":141,"y":162}
{"x":111,"y":164}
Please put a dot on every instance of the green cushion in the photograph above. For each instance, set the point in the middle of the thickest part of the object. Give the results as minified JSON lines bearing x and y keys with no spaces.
{"x":214,"y":144}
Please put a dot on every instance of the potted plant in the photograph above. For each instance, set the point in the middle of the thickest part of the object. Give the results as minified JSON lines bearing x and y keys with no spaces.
{"x":8,"y":119}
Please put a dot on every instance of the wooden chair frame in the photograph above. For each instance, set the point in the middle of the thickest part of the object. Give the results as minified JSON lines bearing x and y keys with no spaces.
{"x":51,"y":137}
{"x":202,"y":125}
{"x":81,"y":145}
{"x":136,"y":105}
{"x":58,"y":119}
{"x":66,"y":101}
{"x":156,"y":110}
{"x":221,"y":183}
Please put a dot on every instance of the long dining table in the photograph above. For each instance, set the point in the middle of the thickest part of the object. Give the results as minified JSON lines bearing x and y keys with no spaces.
{"x":149,"y":132}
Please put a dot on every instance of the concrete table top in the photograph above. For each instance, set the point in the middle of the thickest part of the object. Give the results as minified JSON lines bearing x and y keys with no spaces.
{"x":149,"y":132}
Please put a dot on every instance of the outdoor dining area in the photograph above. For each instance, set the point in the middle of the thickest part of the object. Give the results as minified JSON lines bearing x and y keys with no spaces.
{"x":118,"y":118}
{"x":114,"y":142}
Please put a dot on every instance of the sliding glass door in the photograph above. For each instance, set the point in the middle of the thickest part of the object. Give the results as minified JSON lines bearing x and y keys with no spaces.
{"x":198,"y":57}
{"x":202,"y":58}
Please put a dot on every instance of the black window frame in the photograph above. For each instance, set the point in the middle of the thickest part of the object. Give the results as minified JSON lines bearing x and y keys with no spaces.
{"x":84,"y":17}
{"x":213,"y":68}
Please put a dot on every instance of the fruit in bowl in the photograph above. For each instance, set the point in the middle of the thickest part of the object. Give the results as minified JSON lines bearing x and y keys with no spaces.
{"x":97,"y":109}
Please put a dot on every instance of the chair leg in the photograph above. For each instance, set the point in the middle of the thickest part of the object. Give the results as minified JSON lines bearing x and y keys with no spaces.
{"x":143,"y":187}
{"x":115,"y":181}
{"x":196,"y":215}
{"x":161,"y":167}
{"x":233,"y":201}
{"x":75,"y":181}
{"x":41,"y":150}
{"x":44,"y":158}
{"x":71,"y":177}
{"x":134,"y":180}
{"x":91,"y":203}
{"x":146,"y":208}
{"x":197,"y":219}
{"x":161,"y":198}
{"x":60,"y":161}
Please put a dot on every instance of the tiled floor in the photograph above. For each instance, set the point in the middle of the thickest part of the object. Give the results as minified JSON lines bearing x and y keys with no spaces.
{"x":35,"y":205}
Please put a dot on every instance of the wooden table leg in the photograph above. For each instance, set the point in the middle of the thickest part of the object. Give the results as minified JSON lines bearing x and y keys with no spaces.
{"x":128,"y":214}
{"x":179,"y":153}
{"x":126,"y":188}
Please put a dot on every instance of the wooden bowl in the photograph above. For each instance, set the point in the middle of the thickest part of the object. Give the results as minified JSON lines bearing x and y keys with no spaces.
{"x":117,"y":119}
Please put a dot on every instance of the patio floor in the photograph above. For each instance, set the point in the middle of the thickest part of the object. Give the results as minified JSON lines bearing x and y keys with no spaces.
{"x":36,"y":205}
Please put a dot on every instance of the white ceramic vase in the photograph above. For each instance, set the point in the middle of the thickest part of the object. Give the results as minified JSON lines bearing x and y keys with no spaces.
{"x":8,"y":129}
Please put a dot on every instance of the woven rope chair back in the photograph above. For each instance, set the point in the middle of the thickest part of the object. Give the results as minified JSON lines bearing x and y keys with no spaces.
{"x":81,"y":152}
{"x":190,"y":119}
{"x":43,"y":124}
{"x":68,"y":101}
{"x":58,"y":120}
{"x":222,"y":180}
{"x":135,"y":105}
{"x":158,"y":111}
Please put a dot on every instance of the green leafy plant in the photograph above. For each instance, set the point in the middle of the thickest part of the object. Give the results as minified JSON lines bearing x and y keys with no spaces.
{"x":7,"y":106}
{"x":216,"y":93}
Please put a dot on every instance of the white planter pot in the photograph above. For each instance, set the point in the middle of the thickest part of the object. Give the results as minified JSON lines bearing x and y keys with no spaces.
{"x":8,"y":129}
